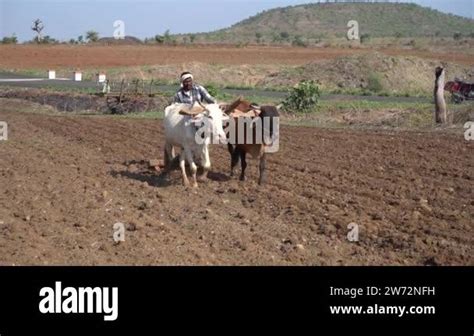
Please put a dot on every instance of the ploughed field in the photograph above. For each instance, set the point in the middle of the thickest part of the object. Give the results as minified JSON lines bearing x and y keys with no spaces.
{"x":66,"y":180}
{"x":17,"y":57}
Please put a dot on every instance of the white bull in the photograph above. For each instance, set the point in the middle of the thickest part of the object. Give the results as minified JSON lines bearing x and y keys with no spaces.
{"x":192,"y":132}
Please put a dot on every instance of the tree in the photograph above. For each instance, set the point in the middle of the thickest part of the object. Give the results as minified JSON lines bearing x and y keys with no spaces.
{"x":299,"y":42}
{"x":457,"y":36}
{"x":159,"y":39}
{"x":80,"y":39}
{"x":276,"y":38}
{"x":192,"y":38}
{"x":92,"y":36}
{"x":49,"y":40}
{"x":167,"y":38}
{"x":284,"y":35}
{"x":9,"y":40}
{"x":258,"y":36}
{"x":38,"y":28}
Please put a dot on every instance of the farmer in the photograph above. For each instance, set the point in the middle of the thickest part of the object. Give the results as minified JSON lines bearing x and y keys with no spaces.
{"x":191,"y":93}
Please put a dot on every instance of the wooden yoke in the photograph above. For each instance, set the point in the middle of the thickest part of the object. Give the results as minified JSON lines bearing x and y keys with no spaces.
{"x":192,"y":110}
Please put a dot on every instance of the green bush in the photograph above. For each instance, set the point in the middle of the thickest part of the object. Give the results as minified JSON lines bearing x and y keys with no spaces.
{"x":303,"y":97}
{"x":364,"y":38}
{"x":375,"y":84}
{"x":213,"y":90}
{"x":298,"y":42}
{"x":9,"y":40}
{"x":284,"y":35}
{"x":92,"y":36}
{"x":217,"y":92}
{"x":48,"y":40}
{"x":159,"y":39}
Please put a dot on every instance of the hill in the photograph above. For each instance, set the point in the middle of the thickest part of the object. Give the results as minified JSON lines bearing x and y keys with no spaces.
{"x":311,"y":23}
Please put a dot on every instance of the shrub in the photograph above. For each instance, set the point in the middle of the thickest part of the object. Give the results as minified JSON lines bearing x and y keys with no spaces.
{"x":364,"y":38}
{"x":213,"y":90}
{"x":298,"y":42}
{"x":9,"y":40}
{"x":92,"y":36}
{"x":284,"y":35}
{"x":49,"y":40}
{"x":375,"y":84}
{"x":303,"y":97}
{"x":159,"y":39}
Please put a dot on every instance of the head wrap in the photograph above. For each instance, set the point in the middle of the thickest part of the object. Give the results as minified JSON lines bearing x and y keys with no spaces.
{"x":186,"y":76}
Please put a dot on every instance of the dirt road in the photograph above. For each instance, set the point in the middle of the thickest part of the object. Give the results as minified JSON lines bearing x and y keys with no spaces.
{"x":66,"y":180}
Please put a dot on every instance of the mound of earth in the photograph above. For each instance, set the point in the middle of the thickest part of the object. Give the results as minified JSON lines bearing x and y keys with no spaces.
{"x":127,"y":40}
{"x":375,"y":71}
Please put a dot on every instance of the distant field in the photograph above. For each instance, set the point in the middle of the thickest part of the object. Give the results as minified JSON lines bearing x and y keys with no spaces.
{"x":32,"y":56}
{"x":84,"y":57}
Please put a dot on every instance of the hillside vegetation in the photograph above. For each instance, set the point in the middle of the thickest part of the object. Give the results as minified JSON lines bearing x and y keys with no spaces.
{"x":311,"y":23}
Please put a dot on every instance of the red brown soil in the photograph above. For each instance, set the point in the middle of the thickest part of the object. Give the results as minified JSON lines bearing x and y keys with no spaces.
{"x":66,"y":180}
{"x":64,"y":56}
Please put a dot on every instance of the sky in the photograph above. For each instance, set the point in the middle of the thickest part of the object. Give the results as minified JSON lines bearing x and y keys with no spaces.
{"x":145,"y":18}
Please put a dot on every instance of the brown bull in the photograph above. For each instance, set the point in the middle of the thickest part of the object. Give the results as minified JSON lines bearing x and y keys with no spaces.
{"x":251,"y":145}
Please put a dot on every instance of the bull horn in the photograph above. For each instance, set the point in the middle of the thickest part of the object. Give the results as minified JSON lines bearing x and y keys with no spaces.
{"x":233,"y":105}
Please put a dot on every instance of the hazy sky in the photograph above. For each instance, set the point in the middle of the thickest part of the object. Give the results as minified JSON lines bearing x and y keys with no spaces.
{"x":145,"y":18}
